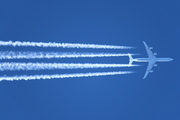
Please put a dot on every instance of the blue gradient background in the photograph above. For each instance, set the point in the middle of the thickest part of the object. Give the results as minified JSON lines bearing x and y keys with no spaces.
{"x":114,"y":22}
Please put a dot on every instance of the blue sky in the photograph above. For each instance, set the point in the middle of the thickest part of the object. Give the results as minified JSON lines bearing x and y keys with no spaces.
{"x":125,"y":97}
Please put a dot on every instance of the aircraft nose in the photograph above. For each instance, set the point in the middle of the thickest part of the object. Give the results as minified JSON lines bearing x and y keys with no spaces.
{"x":171,"y":59}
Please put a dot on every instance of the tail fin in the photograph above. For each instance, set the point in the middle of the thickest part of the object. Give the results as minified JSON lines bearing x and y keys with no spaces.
{"x":130,"y":59}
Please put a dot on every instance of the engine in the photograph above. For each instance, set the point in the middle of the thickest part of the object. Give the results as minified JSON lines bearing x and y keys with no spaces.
{"x":151,"y":71}
{"x":150,"y":48}
{"x":155,"y":53}
{"x":155,"y":65}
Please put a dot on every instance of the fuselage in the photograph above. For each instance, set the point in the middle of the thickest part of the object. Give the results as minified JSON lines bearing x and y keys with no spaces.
{"x":152,"y":59}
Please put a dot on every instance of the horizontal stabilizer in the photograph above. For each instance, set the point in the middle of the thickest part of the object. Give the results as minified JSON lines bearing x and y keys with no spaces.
{"x":130,"y":59}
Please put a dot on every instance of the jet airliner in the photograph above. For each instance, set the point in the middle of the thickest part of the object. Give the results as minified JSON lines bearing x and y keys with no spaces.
{"x":152,"y":59}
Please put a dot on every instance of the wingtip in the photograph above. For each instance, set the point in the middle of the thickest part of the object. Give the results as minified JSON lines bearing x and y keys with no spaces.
{"x":145,"y":76}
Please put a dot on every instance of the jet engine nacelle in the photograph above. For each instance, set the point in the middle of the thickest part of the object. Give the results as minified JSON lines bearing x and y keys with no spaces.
{"x":150,"y":48}
{"x":155,"y":53}
{"x":155,"y":65}
{"x":151,"y":71}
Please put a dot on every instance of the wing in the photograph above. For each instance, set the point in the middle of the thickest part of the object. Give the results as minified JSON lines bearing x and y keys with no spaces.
{"x":149,"y":52}
{"x":152,"y":59}
{"x":150,"y":65}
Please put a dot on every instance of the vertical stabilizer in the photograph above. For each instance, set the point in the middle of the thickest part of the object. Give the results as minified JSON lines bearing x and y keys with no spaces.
{"x":130,"y":59}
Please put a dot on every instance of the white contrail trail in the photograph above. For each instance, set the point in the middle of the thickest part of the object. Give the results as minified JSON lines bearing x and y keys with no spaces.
{"x":63,"y":45}
{"x":12,"y":66}
{"x":34,"y":77}
{"x":35,"y":55}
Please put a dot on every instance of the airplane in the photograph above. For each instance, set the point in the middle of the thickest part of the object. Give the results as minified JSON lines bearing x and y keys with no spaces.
{"x":152,"y":59}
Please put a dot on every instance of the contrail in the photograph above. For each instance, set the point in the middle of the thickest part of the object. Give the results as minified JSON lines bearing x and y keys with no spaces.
{"x":62,"y":45}
{"x":49,"y":55}
{"x":12,"y":66}
{"x":34,"y":77}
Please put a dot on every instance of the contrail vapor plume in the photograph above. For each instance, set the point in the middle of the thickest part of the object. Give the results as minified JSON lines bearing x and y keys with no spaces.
{"x":12,"y":66}
{"x":62,"y":45}
{"x":34,"y":77}
{"x":49,"y":55}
